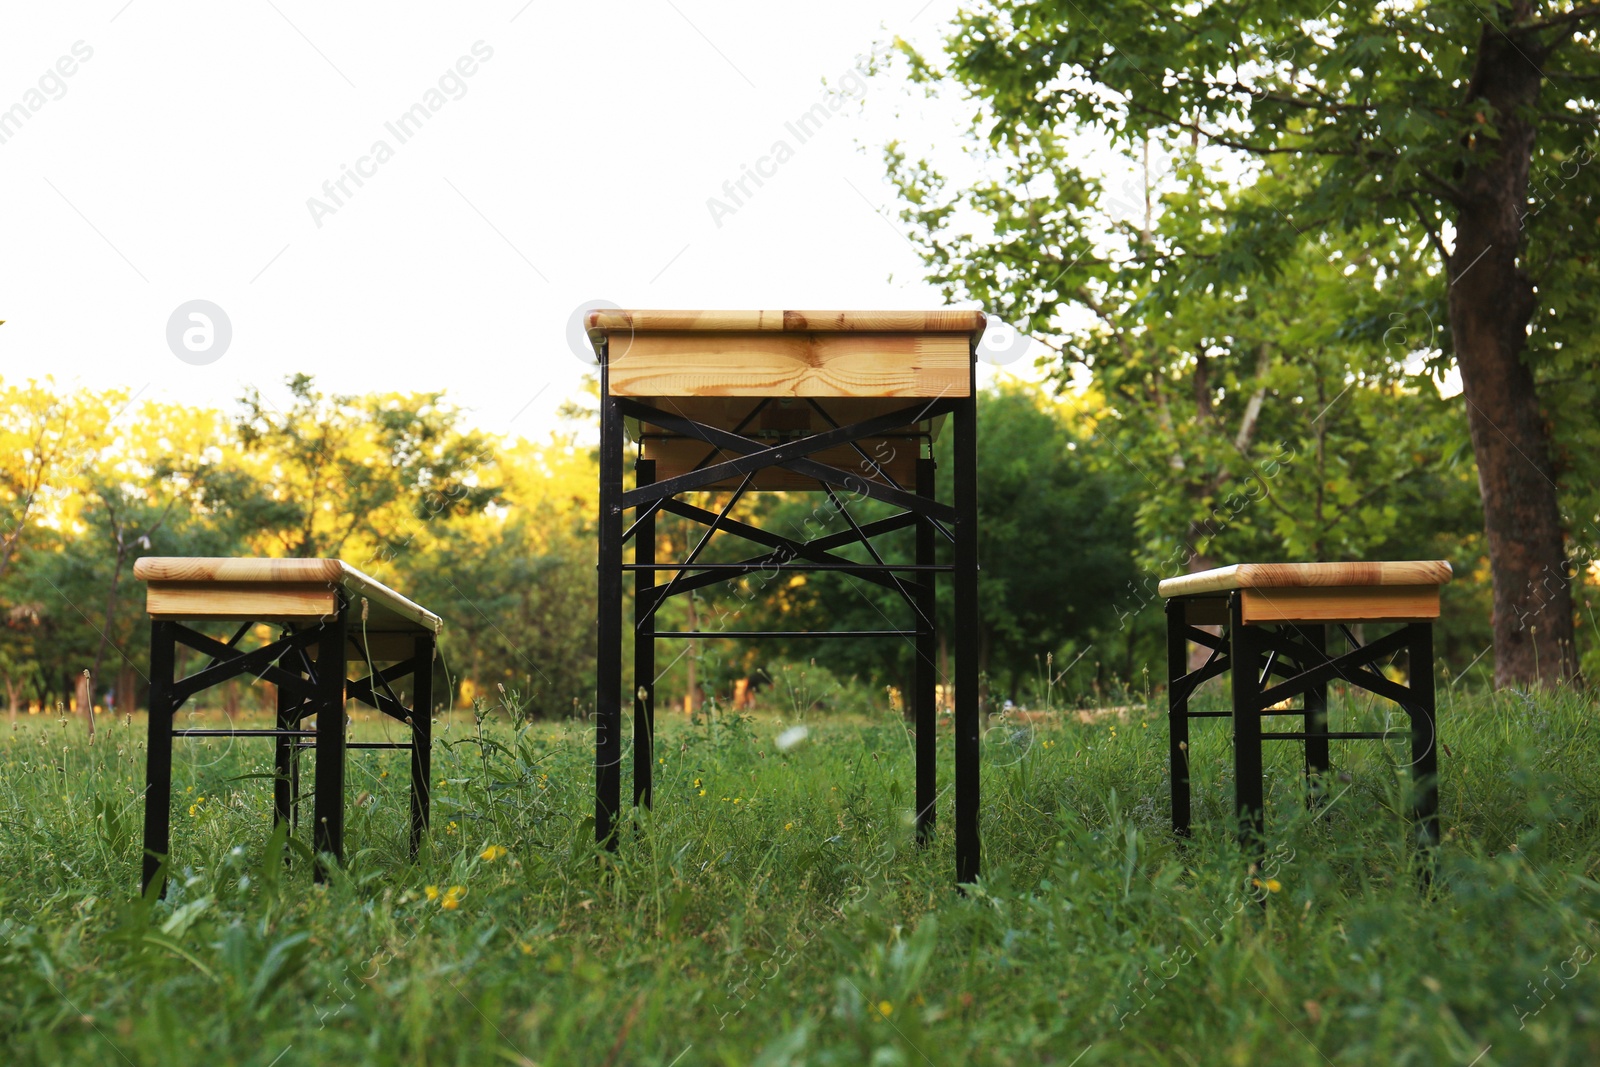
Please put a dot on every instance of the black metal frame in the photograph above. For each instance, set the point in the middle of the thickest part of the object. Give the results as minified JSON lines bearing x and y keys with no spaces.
{"x":1296,"y":652}
{"x":921,"y":508}
{"x":306,"y":688}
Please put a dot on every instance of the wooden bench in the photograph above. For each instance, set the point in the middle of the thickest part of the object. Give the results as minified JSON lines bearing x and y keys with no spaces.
{"x":1276,"y":619}
{"x":326,"y":614}
{"x":840,"y":403}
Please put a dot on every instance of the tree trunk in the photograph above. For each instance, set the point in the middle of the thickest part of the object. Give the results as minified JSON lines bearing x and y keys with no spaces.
{"x":127,"y":689}
{"x":111,"y":610}
{"x":1491,"y":302}
{"x":85,"y":698}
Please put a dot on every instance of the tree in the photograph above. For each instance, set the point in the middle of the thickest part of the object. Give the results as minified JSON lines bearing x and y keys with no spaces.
{"x":334,"y":472}
{"x":515,"y":583}
{"x":152,"y":494}
{"x":44,"y":438}
{"x":1424,"y":122}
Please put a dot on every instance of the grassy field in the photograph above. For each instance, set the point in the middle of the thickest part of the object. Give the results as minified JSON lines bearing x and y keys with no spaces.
{"x":774,"y":909}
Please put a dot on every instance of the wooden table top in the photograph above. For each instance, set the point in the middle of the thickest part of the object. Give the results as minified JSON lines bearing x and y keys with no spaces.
{"x":841,"y":354}
{"x":600,"y":321}
{"x":1430,"y":572}
{"x":215,"y":578}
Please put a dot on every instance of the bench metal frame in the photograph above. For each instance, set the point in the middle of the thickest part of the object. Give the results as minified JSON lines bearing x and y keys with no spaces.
{"x":956,"y":522}
{"x":1253,"y":655}
{"x":307,"y":687}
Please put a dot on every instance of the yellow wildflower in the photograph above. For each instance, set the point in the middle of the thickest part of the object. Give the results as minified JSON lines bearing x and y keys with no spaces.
{"x":885,"y":1009}
{"x":452,"y":828}
{"x":431,"y":891}
{"x":452,"y":897}
{"x":788,"y":826}
{"x":492,"y":853}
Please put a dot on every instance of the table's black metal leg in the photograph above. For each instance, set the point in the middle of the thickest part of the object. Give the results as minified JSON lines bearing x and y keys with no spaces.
{"x":925,"y":676}
{"x":967,"y":726}
{"x":421,"y":738}
{"x":327,"y":831}
{"x":1424,"y":736}
{"x":644,"y":649}
{"x":1316,"y":700}
{"x":1178,"y":714}
{"x":608,"y":649}
{"x":158,"y":760}
{"x":1246,"y":658}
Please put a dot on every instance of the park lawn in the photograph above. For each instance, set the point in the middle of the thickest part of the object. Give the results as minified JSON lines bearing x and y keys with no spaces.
{"x":775,"y":910}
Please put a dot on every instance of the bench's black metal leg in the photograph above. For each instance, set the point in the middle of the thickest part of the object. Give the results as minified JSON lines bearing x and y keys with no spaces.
{"x":644,"y":649}
{"x":1316,"y":701}
{"x":158,"y":761}
{"x":925,"y":676}
{"x":608,"y":650}
{"x":968,"y":858}
{"x":1178,"y":714}
{"x":421,"y":739}
{"x":1246,"y":658}
{"x":1424,"y":736}
{"x":327,"y":830}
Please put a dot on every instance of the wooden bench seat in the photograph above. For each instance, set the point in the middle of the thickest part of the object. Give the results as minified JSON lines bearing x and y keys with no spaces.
{"x":1276,"y":620}
{"x":1404,"y":591}
{"x":328,"y":616}
{"x":294,"y":592}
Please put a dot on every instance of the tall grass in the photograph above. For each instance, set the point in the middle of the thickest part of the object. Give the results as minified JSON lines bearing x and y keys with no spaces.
{"x":774,"y":908}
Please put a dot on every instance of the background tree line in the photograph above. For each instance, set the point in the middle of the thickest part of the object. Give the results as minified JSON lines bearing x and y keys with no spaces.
{"x":496,"y":533}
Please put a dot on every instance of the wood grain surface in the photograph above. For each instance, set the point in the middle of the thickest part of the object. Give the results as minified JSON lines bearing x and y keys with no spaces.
{"x":224,"y":587}
{"x":603,"y":321}
{"x":779,"y":415}
{"x":748,"y":363}
{"x":896,"y":457}
{"x":1433,"y":572}
{"x":1350,"y":603}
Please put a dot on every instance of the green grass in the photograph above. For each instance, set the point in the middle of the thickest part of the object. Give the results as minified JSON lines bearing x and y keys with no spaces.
{"x":785,"y":916}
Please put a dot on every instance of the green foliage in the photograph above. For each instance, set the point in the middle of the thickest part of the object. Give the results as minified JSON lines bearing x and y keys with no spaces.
{"x":346,"y":467}
{"x":1305,"y":169}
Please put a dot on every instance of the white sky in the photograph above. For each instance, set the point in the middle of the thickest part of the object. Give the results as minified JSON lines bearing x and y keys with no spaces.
{"x":178,"y":161}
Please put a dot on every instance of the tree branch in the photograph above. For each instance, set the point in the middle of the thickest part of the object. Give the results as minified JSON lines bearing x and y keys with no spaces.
{"x":1228,"y":142}
{"x":1433,"y":233}
{"x":1575,"y":15}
